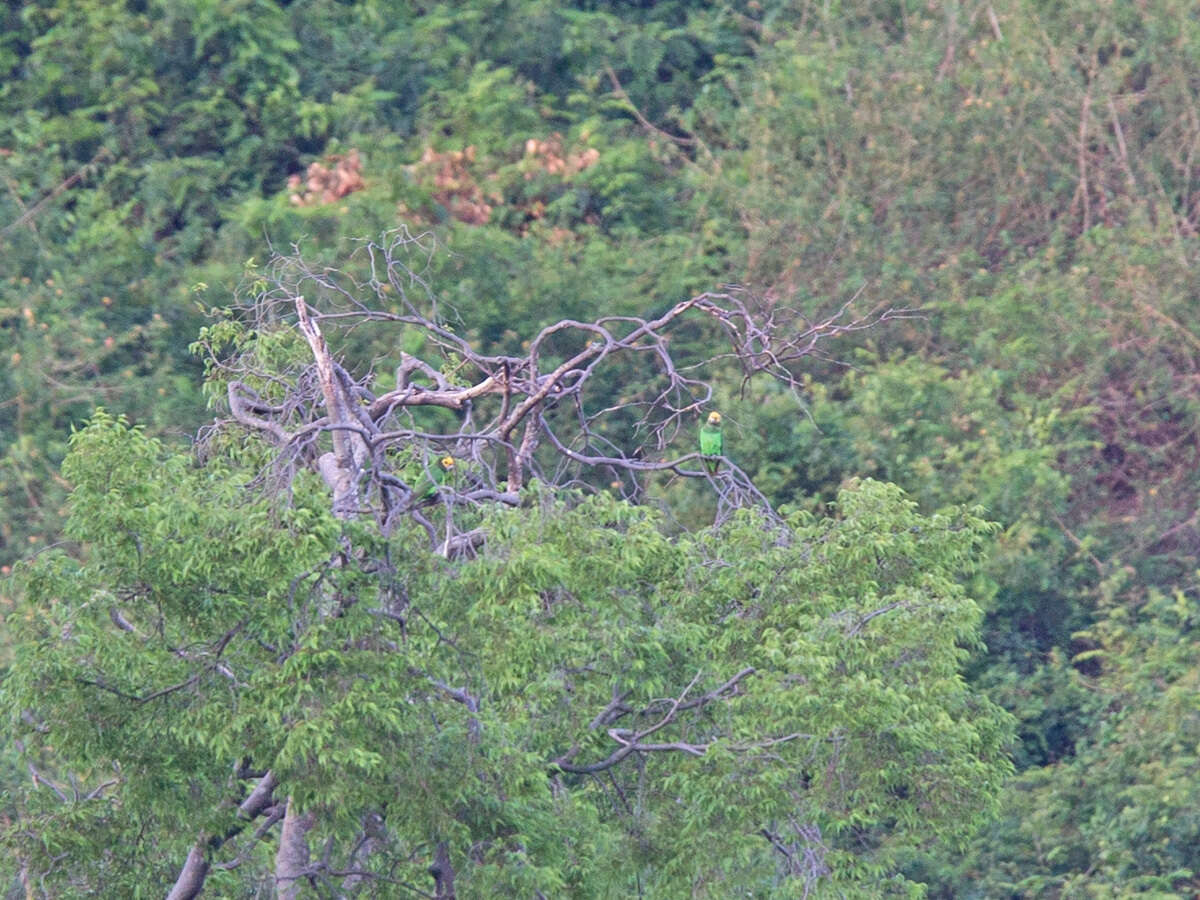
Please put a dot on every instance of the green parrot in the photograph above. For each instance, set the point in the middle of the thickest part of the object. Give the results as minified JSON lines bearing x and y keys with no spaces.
{"x":435,"y":477}
{"x":712,"y":442}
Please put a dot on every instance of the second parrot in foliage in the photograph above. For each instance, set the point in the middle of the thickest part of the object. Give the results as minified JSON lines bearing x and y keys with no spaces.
{"x":712,"y":442}
{"x":435,"y":478}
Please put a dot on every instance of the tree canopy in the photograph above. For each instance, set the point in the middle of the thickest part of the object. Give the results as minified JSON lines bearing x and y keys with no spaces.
{"x":586,"y":706}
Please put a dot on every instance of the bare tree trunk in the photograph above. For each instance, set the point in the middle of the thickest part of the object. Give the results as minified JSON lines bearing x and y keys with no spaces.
{"x":291,"y":860}
{"x":442,"y":872}
{"x":340,"y":467}
{"x":191,"y":878}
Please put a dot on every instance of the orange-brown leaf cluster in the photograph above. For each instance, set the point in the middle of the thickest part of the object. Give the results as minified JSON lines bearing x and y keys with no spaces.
{"x":454,"y":187}
{"x":327,"y":183}
{"x":463,"y":196}
{"x":552,"y":158}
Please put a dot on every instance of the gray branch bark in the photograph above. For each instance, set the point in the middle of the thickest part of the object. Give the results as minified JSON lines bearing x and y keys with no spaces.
{"x":191,"y":877}
{"x":291,"y":860}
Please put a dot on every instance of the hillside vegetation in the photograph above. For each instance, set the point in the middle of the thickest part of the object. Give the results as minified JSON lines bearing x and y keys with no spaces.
{"x":1006,"y":195}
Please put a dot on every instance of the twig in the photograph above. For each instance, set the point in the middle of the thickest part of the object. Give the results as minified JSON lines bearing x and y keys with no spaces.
{"x":67,"y":184}
{"x":642,"y":120}
{"x":631,"y":741}
{"x":1078,"y":543}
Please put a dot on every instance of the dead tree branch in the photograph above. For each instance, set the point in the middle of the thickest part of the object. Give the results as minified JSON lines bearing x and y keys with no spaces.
{"x":547,"y":413}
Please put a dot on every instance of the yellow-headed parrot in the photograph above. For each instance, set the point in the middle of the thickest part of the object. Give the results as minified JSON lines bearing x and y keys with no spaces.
{"x":435,"y":477}
{"x":712,"y":442}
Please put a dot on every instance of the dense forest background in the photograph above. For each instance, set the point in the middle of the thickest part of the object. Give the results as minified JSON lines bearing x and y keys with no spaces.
{"x":1027,"y":174}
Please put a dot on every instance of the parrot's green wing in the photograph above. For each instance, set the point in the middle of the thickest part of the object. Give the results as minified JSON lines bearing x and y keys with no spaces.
{"x":429,"y":480}
{"x":712,"y":443}
{"x":428,"y":485}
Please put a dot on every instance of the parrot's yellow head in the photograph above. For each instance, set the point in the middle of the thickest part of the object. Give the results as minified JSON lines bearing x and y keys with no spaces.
{"x":447,"y":462}
{"x":714,"y":418}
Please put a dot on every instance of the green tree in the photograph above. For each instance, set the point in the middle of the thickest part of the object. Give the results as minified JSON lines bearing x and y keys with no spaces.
{"x":586,"y":707}
{"x":1117,"y":818}
{"x":525,"y":687}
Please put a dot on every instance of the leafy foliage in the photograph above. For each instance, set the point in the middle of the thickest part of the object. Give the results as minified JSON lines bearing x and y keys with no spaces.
{"x":795,"y":692}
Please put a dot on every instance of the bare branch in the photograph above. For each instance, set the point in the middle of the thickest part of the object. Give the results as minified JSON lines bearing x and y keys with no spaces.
{"x":71,"y":180}
{"x":40,"y":779}
{"x":632,"y":741}
{"x":516,"y":417}
{"x":210,"y":665}
{"x":259,"y":798}
{"x":197,"y":865}
{"x":274,"y":815}
{"x":803,"y":854}
{"x":867,"y":617}
{"x":192,"y":876}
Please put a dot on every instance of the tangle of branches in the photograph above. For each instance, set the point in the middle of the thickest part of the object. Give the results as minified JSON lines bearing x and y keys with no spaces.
{"x":606,"y":402}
